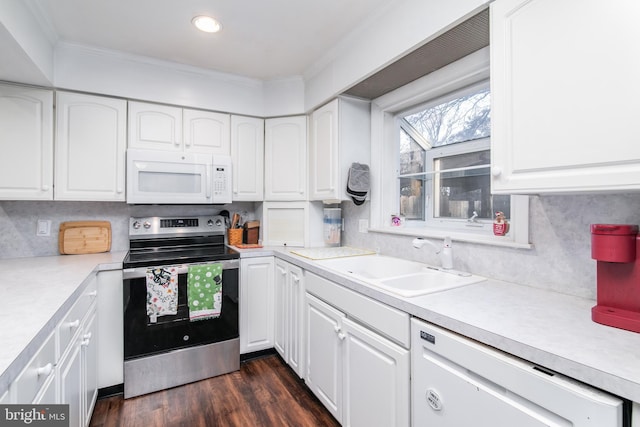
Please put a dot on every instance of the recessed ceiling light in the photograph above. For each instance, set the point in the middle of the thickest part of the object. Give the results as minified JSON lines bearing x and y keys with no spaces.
{"x":206,"y":24}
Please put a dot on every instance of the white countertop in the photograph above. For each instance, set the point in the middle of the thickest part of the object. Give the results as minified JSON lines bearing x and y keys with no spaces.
{"x":36,"y":293}
{"x":547,"y":328}
{"x":544,"y":327}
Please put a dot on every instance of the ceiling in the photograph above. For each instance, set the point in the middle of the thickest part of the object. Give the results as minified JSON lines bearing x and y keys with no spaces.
{"x":262,"y":39}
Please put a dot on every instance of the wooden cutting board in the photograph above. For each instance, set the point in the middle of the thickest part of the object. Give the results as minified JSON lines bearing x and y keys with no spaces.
{"x":84,"y":237}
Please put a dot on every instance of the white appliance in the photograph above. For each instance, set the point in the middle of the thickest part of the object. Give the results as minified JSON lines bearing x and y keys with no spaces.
{"x":459,"y":382}
{"x":167,"y":177}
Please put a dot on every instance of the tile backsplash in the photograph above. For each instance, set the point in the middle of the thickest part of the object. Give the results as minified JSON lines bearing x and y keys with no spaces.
{"x":18,"y":220}
{"x":559,"y":230}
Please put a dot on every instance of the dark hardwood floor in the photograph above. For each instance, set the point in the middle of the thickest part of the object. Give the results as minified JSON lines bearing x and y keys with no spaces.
{"x":265,"y":392}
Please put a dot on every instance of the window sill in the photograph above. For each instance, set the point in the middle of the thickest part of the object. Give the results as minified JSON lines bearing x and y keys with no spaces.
{"x":456,"y":236}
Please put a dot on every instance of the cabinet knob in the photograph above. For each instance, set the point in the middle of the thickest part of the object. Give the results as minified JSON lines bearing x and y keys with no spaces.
{"x":74,"y":324}
{"x":44,"y":370}
{"x":45,"y":188}
{"x":119,"y":190}
{"x":341,"y":336}
{"x":93,"y":294}
{"x":496,"y":171}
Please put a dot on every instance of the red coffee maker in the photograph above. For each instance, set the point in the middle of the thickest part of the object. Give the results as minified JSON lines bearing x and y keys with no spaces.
{"x":616,"y":247}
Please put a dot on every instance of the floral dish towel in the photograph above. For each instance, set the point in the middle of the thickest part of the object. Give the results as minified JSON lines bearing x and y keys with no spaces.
{"x":162,"y":292}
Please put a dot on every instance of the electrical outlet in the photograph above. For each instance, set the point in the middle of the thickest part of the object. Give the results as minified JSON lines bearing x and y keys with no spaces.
{"x":44,"y":227}
{"x":363,"y":225}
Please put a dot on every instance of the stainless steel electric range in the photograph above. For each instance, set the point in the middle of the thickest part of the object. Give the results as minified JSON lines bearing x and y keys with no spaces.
{"x":170,"y":348}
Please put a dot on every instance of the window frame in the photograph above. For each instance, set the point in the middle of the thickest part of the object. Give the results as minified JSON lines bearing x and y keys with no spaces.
{"x":468,"y":71}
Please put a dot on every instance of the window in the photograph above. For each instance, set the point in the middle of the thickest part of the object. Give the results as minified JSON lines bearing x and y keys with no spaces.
{"x":431,"y":143}
{"x":445,"y":161}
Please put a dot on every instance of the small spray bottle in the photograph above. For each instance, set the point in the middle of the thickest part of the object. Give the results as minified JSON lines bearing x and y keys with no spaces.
{"x":500,"y":225}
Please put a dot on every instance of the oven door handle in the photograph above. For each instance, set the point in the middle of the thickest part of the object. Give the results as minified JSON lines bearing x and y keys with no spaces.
{"x":140,"y":272}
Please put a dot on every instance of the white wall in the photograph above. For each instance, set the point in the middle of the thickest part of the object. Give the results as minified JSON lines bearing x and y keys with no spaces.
{"x":134,"y":77}
{"x":27,"y":52}
{"x":387,"y":36}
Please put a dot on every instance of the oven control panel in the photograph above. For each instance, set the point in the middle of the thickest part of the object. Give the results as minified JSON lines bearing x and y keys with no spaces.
{"x":149,"y":227}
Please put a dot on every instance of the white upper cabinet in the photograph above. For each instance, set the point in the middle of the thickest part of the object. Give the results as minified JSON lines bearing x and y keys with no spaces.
{"x":340,"y":135}
{"x":564,"y":96}
{"x":90,"y":145}
{"x":26,"y":139}
{"x":156,"y":127}
{"x":205,"y":131}
{"x":285,"y":159}
{"x":163,"y":127}
{"x":247,"y":155}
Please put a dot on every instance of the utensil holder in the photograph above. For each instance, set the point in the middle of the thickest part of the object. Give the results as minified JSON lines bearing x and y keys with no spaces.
{"x":234,"y":236}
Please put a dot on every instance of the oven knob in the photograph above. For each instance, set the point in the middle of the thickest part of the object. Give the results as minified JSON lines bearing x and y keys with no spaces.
{"x":136,"y":224}
{"x":147,"y":225}
{"x":210,"y":223}
{"x":218,"y":223}
{"x":185,"y":338}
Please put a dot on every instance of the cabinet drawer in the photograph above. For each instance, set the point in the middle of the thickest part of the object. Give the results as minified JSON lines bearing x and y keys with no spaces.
{"x":71,"y":322}
{"x":392,"y":323}
{"x":35,"y":374}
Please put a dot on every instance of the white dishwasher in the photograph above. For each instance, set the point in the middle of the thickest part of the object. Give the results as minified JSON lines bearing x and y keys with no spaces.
{"x":457,"y":382}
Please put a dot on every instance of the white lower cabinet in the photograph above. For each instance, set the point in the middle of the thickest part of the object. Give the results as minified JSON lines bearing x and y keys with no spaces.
{"x":70,"y":375}
{"x":89,"y":350}
{"x":65,"y":368}
{"x":256,"y":304}
{"x":359,"y":374}
{"x":324,"y":358}
{"x":34,"y":384}
{"x":289,"y":303}
{"x":78,"y":358}
{"x":376,"y":388}
{"x":110,"y":329}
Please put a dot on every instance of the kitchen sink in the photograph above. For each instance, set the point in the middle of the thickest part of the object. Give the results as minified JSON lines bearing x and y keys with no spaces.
{"x":398,"y":276}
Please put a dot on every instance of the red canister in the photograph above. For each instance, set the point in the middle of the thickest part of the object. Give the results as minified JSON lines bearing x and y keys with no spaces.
{"x":613,"y":242}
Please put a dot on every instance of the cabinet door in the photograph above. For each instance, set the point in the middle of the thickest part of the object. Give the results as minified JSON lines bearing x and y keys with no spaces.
{"x":324,"y":353}
{"x":256,"y":304}
{"x":26,"y":139}
{"x":285,"y":223}
{"x":156,"y":127}
{"x":285,"y":158}
{"x":247,"y":155}
{"x":281,"y":312}
{"x":563,"y":121}
{"x":70,"y":377}
{"x":90,"y":147}
{"x":323,"y":153}
{"x":110,"y":329}
{"x":376,"y":379}
{"x":48,"y":393}
{"x":296,"y":319}
{"x":206,"y":132}
{"x":89,"y":346}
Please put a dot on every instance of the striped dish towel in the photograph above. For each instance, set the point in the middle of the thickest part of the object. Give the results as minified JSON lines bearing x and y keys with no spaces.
{"x":204,"y":291}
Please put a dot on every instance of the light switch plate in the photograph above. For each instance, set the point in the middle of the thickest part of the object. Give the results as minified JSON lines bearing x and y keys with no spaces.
{"x":44,"y":227}
{"x":363,"y":225}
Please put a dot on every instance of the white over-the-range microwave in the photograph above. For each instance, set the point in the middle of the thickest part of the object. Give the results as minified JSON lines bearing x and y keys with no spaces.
{"x":168,"y":177}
